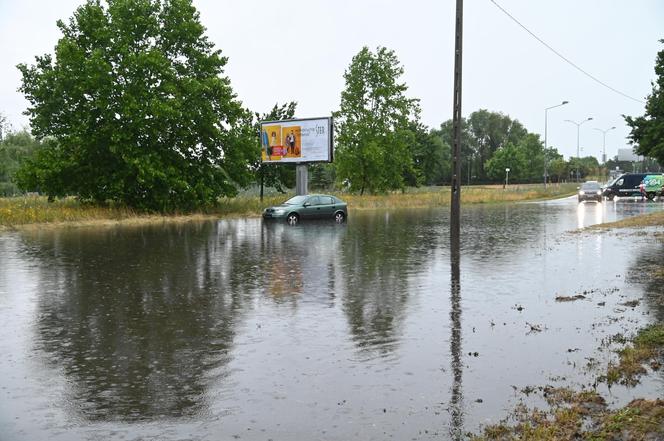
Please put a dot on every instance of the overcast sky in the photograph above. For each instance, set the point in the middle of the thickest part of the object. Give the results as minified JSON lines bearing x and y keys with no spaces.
{"x":298,"y":50}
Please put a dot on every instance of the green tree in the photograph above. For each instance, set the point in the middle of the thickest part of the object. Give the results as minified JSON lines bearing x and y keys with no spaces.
{"x":469,"y":160}
{"x":483,"y":133}
{"x":5,"y":127}
{"x":558,"y":169}
{"x":279,"y":176}
{"x":509,"y":156}
{"x":138,"y":110}
{"x":533,"y":150}
{"x":585,"y":166}
{"x":648,"y":130}
{"x":15,"y":148}
{"x":489,"y":131}
{"x":374,"y":142}
{"x":431,"y":157}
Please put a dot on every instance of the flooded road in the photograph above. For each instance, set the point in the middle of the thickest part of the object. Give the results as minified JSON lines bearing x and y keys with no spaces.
{"x":237,"y":329}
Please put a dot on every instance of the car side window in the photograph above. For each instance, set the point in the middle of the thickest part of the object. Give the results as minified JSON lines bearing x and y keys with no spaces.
{"x":313,"y":200}
{"x":326,"y":200}
{"x":620,"y":182}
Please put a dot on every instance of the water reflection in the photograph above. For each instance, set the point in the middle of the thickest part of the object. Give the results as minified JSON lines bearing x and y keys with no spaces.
{"x":138,"y":335}
{"x":647,"y":270}
{"x":456,"y":399}
{"x":379,"y":256}
{"x":142,"y":320}
{"x":319,"y":331}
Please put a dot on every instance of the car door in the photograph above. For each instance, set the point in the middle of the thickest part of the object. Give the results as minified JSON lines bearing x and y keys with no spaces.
{"x":326,"y":207}
{"x":311,"y":208}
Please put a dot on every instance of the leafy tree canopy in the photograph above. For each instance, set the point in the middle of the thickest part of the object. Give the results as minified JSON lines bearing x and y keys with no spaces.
{"x":648,"y":130}
{"x":374,"y":138}
{"x":509,"y":156}
{"x":136,"y":109}
{"x":15,"y":148}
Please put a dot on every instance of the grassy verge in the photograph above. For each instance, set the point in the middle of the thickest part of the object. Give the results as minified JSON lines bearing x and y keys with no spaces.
{"x":646,"y":220}
{"x":30,"y":210}
{"x":585,"y":415}
{"x":647,"y":349}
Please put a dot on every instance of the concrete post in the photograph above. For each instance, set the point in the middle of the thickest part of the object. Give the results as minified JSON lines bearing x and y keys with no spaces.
{"x":301,"y":179}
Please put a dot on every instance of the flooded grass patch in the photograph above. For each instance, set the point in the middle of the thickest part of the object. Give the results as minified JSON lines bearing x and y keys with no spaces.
{"x":29,"y":210}
{"x":582,"y":416}
{"x":647,"y":348}
{"x":440,"y":196}
{"x":646,"y":220}
{"x":585,"y":414}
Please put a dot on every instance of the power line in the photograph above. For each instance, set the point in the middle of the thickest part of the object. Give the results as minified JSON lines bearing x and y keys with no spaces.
{"x":567,"y":60}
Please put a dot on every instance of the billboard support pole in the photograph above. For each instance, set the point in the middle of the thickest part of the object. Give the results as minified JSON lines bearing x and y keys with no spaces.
{"x":301,"y":179}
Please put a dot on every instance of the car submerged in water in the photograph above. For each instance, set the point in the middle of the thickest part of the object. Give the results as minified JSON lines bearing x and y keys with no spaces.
{"x":311,"y":206}
{"x":590,"y":191}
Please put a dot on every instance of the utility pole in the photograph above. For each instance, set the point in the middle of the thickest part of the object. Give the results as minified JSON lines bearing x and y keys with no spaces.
{"x":455,"y":210}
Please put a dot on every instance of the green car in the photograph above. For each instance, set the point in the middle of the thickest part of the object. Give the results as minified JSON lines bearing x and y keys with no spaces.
{"x":311,"y":206}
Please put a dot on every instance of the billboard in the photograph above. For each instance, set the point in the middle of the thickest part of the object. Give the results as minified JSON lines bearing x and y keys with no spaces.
{"x":297,"y":140}
{"x":628,"y":155}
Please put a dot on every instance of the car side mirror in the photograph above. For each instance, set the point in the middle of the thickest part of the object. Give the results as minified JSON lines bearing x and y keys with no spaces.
{"x":306,"y":204}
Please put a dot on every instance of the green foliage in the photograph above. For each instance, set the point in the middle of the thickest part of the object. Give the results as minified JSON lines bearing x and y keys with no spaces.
{"x":322,"y":176}
{"x":137,"y":110}
{"x":4,"y":127}
{"x":15,"y":149}
{"x":558,"y":170}
{"x":648,"y":130}
{"x":374,"y":138}
{"x":586,"y":166}
{"x":431,"y":157}
{"x":490,"y":131}
{"x":510,"y":156}
{"x":483,"y":134}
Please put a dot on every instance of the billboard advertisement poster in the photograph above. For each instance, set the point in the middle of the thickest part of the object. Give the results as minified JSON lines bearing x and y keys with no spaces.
{"x":297,"y":140}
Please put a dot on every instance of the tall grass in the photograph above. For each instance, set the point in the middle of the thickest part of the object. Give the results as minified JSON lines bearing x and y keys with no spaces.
{"x":37,"y":210}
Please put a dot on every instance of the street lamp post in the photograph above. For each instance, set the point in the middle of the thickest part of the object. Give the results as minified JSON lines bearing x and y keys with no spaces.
{"x":507,"y":177}
{"x":604,"y":143}
{"x":578,"y":157}
{"x":546,"y":146}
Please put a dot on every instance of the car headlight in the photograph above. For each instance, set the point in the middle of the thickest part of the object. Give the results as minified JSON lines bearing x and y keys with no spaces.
{"x":599,"y":192}
{"x":582,"y":192}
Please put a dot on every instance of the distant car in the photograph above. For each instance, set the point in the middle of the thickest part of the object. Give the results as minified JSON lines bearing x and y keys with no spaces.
{"x":312,"y":206}
{"x":590,"y":191}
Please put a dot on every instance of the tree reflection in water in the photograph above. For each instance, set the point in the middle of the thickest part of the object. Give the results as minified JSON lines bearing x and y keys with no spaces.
{"x":379,"y":256}
{"x":139,"y":321}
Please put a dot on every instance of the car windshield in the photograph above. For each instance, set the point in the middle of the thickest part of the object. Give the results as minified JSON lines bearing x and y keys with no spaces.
{"x":589,"y":186}
{"x":296,"y":200}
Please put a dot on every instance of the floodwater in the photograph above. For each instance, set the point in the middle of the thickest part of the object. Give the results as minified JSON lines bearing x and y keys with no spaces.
{"x":237,"y":329}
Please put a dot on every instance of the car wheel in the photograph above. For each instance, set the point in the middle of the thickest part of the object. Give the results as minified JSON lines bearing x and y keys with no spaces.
{"x":293,"y":219}
{"x":650,"y":196}
{"x":580,"y":200}
{"x":339,"y":217}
